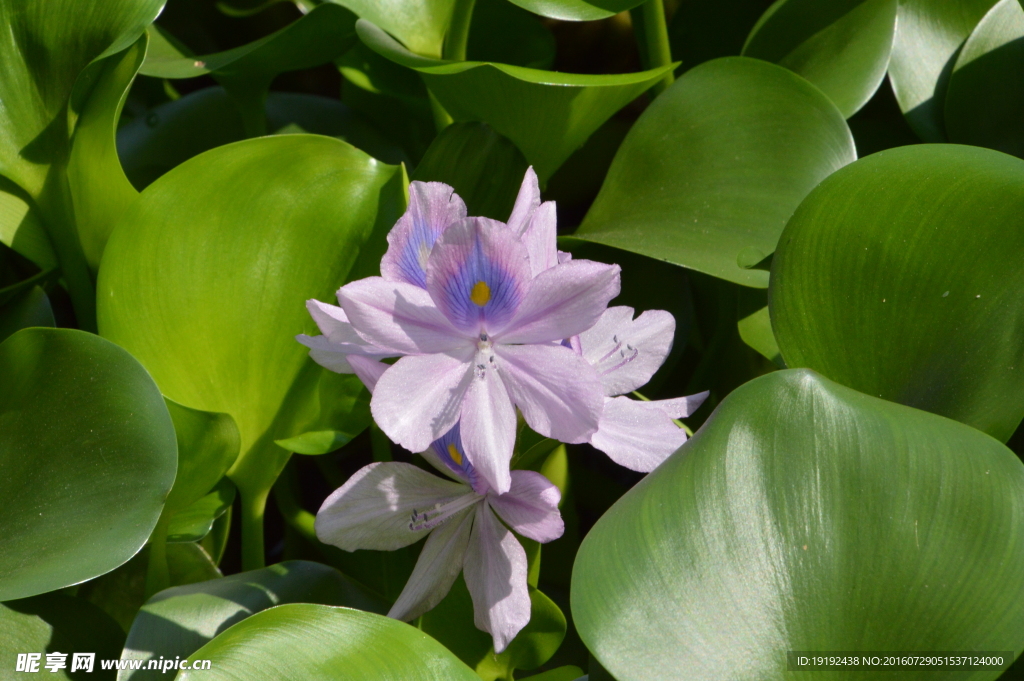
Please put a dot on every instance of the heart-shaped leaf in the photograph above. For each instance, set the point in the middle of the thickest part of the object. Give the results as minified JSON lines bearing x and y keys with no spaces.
{"x":928,"y":37}
{"x":548,"y":115}
{"x":87,"y":456}
{"x":302,"y":641}
{"x":712,"y":170}
{"x":181,"y":620}
{"x":986,"y":92}
{"x":841,"y":46}
{"x":880,"y":284}
{"x":804,"y":515}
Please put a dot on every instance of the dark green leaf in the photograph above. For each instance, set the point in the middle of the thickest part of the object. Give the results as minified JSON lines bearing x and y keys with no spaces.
{"x":900,"y":277}
{"x":31,"y":308}
{"x":567,"y":673}
{"x":701,"y":30}
{"x":87,"y":456}
{"x":716,"y":165}
{"x":804,"y":515}
{"x":195,"y":521}
{"x":21,"y":228}
{"x":501,"y":32}
{"x":207,"y":446}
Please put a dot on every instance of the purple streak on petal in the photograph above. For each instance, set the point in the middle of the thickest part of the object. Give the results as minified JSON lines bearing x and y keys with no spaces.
{"x":419,"y":398}
{"x":476,"y":261}
{"x":398,"y":317}
{"x":438,"y":566}
{"x":526,"y":202}
{"x":368,"y":370}
{"x":625,"y":351}
{"x":495,"y":571}
{"x":489,"y":425}
{"x":558,"y":393}
{"x":432,"y":207}
{"x":440,"y":455}
{"x":530,"y":507}
{"x":637,"y":435}
{"x":541,"y":238}
{"x":374,"y":509}
{"x":563,"y":301}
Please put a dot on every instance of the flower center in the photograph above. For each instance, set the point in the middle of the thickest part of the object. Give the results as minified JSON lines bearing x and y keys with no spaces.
{"x":480,"y":294}
{"x":455,"y":454}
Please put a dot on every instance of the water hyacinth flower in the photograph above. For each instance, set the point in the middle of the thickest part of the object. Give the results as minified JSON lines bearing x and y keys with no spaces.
{"x":385,"y":506}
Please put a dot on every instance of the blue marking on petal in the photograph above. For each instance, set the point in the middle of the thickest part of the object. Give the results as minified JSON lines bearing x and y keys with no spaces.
{"x":449,"y":449}
{"x":433,"y":206}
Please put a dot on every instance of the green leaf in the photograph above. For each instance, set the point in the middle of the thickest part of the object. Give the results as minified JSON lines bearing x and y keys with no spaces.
{"x":716,"y":165}
{"x":343,"y":405}
{"x":877,"y":261}
{"x":483,"y":167}
{"x":302,"y":641}
{"x":31,"y":308}
{"x":56,"y":622}
{"x":246,"y":72}
{"x":181,"y":620}
{"x":986,"y":94}
{"x":451,"y":623}
{"x":173,"y":132}
{"x":756,"y":331}
{"x":208,"y":444}
{"x":578,"y":10}
{"x":420,"y":24}
{"x":87,"y":456}
{"x":21,"y":227}
{"x":548,"y":115}
{"x":501,"y":32}
{"x":842,"y":46}
{"x":284,"y":219}
{"x":567,"y":673}
{"x":804,"y":515}
{"x":193,"y":522}
{"x":701,"y":31}
{"x":928,"y":37}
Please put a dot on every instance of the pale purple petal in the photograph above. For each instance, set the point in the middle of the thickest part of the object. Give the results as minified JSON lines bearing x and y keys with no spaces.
{"x":526,"y":202}
{"x":432,"y":207}
{"x":541,"y":238}
{"x":681,"y":407}
{"x":557,"y":391}
{"x":327,"y":354}
{"x":489,"y":424}
{"x":495,"y":571}
{"x":438,"y":566}
{"x":398,"y":317}
{"x":368,"y":370}
{"x":478,"y":274}
{"x":374,"y":508}
{"x":419,"y":399}
{"x":625,"y":351}
{"x":637,"y":435}
{"x":530,"y":507}
{"x":563,"y":301}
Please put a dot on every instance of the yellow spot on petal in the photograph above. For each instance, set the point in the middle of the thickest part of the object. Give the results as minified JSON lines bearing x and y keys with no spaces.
{"x":454,"y":453}
{"x":481,"y":293}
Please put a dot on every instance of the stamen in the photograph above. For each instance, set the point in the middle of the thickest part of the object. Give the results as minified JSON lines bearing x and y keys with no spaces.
{"x":428,"y":520}
{"x":626,"y":359}
{"x":455,"y":454}
{"x":616,"y":348}
{"x":480,"y":294}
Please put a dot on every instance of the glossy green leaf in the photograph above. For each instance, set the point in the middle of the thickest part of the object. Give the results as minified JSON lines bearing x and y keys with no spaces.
{"x":56,"y":622}
{"x":756,"y":331}
{"x":929,"y":35}
{"x":343,"y":407}
{"x":804,"y":515}
{"x":211,"y":311}
{"x":501,"y":32}
{"x":842,"y":46}
{"x":180,"y":620}
{"x":82,"y":420}
{"x":208,"y":444}
{"x":712,"y":170}
{"x":985,"y":100}
{"x":548,"y":115}
{"x":451,"y":623}
{"x":483,"y":167}
{"x":879,"y":261}
{"x":320,"y":36}
{"x":578,"y":10}
{"x":174,"y":132}
{"x":31,"y":308}
{"x":420,"y":24}
{"x":21,"y":228}
{"x":302,"y":641}
{"x":194,"y":522}
{"x":701,"y":31}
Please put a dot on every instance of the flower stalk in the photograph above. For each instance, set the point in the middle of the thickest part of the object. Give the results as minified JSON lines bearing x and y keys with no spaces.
{"x":651,"y":29}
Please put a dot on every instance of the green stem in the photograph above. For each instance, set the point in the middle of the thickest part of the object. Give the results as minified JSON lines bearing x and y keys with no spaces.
{"x":651,"y":30}
{"x":158,"y":575}
{"x":457,"y":39}
{"x":442,"y":119}
{"x":252,"y":506}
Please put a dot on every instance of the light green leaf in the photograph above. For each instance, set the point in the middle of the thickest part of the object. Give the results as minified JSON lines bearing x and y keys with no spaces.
{"x":578,"y":10}
{"x":31,"y":308}
{"x":87,"y":456}
{"x":986,"y":92}
{"x":56,"y":622}
{"x":194,"y":522}
{"x":302,"y":642}
{"x":284,"y":219}
{"x":878,"y":261}
{"x":181,"y":620}
{"x":420,"y":24}
{"x":842,"y":46}
{"x":548,"y":115}
{"x":928,"y":37}
{"x":21,"y":228}
{"x":804,"y":515}
{"x":207,"y":446}
{"x":712,"y":170}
